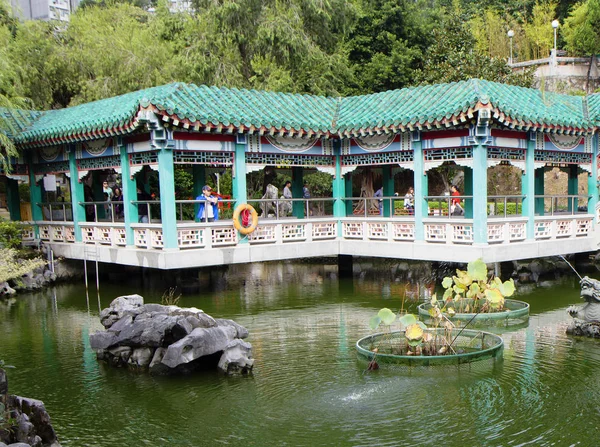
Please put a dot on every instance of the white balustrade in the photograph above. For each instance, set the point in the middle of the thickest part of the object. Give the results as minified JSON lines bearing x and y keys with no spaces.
{"x":324,"y":230}
{"x":293,"y":232}
{"x":191,"y":237}
{"x":224,"y":236}
{"x":517,"y":231}
{"x":495,"y":232}
{"x":462,"y":233}
{"x":564,"y":228}
{"x":583,"y":227}
{"x":377,"y":230}
{"x":435,"y":232}
{"x":263,"y":234}
{"x":353,"y":230}
{"x":403,"y":231}
{"x":543,"y":229}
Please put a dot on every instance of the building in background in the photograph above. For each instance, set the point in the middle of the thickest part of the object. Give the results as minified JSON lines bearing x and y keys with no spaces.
{"x":44,"y":9}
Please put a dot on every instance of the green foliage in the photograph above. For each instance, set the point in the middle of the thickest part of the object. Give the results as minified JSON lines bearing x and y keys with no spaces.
{"x":452,"y":57}
{"x":10,"y":234}
{"x":11,"y":266}
{"x":580,"y":30}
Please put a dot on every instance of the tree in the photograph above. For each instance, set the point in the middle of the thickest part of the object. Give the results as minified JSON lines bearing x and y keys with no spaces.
{"x":581,"y":32}
{"x":387,"y":43}
{"x":453,"y":57}
{"x":539,"y":31}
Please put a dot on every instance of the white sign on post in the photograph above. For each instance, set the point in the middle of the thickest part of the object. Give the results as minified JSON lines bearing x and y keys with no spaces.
{"x":50,"y":183}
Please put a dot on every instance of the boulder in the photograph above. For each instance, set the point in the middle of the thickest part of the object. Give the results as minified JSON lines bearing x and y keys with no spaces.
{"x":102,"y":340}
{"x":199,"y":343}
{"x":5,"y":289}
{"x":241,"y":331}
{"x":3,"y":382}
{"x":237,"y":358}
{"x":141,"y":357}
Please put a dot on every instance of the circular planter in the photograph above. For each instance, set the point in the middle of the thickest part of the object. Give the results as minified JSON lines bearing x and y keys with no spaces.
{"x":470,"y":346}
{"x":516,"y":312}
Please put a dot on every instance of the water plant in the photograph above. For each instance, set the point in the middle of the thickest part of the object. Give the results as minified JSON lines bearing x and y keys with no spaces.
{"x":470,"y":291}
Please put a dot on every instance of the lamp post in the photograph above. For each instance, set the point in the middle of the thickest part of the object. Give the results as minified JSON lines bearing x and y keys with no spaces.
{"x":511,"y":34}
{"x":555,"y":26}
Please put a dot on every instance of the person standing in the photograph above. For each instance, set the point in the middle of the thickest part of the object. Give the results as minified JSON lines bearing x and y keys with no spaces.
{"x":455,"y":208}
{"x":409,"y":200}
{"x":287,"y":196}
{"x":143,"y":213}
{"x":379,"y":194}
{"x":306,"y":196}
{"x":208,"y":209}
{"x":118,"y":207}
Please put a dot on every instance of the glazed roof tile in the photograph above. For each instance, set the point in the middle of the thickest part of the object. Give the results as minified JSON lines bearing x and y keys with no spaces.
{"x":440,"y":105}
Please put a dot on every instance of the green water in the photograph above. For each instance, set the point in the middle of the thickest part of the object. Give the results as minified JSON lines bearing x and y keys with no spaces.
{"x":308,"y":386}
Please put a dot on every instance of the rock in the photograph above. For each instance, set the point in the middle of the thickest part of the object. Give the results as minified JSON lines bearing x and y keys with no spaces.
{"x":119,"y":356}
{"x":126,"y":301}
{"x":38,"y":416}
{"x":199,"y":343}
{"x":102,"y":340}
{"x":147,"y":332}
{"x":237,"y":358}
{"x":121,"y":324}
{"x":5,"y":289}
{"x":141,"y":357}
{"x":241,"y":331}
{"x":3,"y":382}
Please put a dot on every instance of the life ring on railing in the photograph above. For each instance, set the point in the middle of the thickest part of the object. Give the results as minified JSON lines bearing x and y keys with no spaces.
{"x":236,"y":218}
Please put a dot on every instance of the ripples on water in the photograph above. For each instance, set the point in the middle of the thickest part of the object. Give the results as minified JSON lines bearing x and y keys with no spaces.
{"x":308,"y":386}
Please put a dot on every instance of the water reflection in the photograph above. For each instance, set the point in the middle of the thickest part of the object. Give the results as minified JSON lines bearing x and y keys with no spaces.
{"x":308,"y":388}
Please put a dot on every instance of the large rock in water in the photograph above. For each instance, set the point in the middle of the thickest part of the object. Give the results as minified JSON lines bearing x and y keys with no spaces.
{"x":169,"y":339}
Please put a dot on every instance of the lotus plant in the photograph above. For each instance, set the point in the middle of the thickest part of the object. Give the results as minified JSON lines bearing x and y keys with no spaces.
{"x":473,"y":292}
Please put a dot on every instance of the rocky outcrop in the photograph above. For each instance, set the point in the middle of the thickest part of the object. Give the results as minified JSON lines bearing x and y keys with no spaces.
{"x":24,"y":422}
{"x":169,"y":339}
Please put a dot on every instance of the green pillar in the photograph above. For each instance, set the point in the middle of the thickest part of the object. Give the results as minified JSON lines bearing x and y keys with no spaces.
{"x":572,"y":186}
{"x":199,"y":179}
{"x":348,"y":186}
{"x":297,"y":184}
{"x":421,"y":190}
{"x":469,"y":188}
{"x":240,"y":190}
{"x":35,"y":195}
{"x":528,"y":189}
{"x":539,"y":190}
{"x":130,"y":210}
{"x":168,"y":213}
{"x":480,"y":194}
{"x":339,"y":190}
{"x":77,"y":195}
{"x":12,"y":199}
{"x":593,"y":178}
{"x":388,"y":190}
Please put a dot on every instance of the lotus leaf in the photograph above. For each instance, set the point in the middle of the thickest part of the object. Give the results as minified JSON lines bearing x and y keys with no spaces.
{"x":407,"y":320}
{"x":477,"y":270}
{"x":447,"y":282}
{"x":448,"y":294}
{"x":374,"y":322}
{"x":451,"y":311}
{"x":387,"y":316}
{"x":507,"y":288}
{"x":414,"y":332}
{"x":494,"y":297}
{"x":433,"y":300}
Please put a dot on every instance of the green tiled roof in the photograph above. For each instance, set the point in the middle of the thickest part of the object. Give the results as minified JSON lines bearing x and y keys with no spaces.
{"x":15,"y":121}
{"x":203,"y":107}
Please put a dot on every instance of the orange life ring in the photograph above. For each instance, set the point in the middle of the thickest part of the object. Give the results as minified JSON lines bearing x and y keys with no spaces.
{"x":236,"y":218}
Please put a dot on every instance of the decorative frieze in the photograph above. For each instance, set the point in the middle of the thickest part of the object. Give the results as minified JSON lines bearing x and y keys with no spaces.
{"x":379,"y":158}
{"x":203,"y":158}
{"x":286,"y":160}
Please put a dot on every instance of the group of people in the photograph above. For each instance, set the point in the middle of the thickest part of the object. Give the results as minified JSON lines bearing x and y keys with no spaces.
{"x":409,"y":201}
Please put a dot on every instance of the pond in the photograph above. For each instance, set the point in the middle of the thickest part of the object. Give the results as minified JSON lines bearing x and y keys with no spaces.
{"x":308,"y":386}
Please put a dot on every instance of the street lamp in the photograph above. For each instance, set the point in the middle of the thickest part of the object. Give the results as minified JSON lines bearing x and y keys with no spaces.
{"x":511,"y":34}
{"x":555,"y":26}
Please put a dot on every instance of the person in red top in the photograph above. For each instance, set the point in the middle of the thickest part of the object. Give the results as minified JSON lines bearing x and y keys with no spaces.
{"x":455,"y":208}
